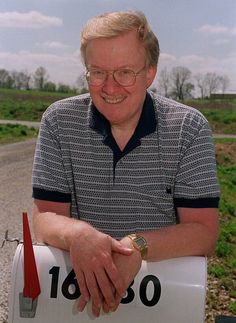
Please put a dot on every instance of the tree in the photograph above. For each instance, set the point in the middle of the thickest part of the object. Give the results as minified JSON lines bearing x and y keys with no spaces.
{"x":4,"y":77}
{"x":212,"y":83}
{"x":26,"y":80}
{"x":223,"y":83}
{"x":8,"y":84}
{"x":81,"y":84}
{"x":181,"y":85}
{"x":49,"y":86}
{"x":40,"y":78}
{"x":20,"y":80}
{"x":63,"y":88}
{"x":164,"y":82}
{"x":201,"y":84}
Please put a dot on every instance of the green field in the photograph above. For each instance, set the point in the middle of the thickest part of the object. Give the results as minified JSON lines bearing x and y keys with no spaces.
{"x":29,"y":105}
{"x":13,"y":133}
{"x":26,"y":105}
{"x":220,"y":113}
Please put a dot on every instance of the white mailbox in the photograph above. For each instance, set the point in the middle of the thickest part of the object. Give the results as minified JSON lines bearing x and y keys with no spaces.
{"x":162,"y":292}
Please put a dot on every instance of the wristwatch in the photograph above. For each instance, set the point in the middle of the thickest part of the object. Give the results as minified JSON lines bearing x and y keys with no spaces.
{"x":139,"y":243}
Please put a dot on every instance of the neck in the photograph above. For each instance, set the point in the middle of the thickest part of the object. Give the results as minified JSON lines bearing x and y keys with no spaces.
{"x":124,"y":131}
{"x":122,"y":136}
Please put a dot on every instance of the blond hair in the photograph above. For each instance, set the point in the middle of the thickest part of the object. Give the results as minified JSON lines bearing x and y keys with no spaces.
{"x":113,"y":24}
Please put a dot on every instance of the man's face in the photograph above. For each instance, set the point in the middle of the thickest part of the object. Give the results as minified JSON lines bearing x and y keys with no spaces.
{"x":120,"y":105}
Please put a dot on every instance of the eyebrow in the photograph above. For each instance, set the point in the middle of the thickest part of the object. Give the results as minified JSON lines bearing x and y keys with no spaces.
{"x":119,"y":68}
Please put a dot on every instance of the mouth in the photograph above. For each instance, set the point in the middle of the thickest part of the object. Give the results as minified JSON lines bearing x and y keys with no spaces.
{"x":114,"y":100}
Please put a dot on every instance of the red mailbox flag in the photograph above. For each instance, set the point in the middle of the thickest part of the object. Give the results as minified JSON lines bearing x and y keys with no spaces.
{"x":31,"y":279}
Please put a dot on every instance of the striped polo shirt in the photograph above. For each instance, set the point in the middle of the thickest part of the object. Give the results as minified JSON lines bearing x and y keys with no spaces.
{"x":168,"y":163}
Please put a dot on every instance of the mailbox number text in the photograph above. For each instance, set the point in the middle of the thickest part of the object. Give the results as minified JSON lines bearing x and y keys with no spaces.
{"x":70,"y":288}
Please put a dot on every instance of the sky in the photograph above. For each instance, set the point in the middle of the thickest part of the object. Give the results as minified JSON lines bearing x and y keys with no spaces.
{"x":197,"y":34}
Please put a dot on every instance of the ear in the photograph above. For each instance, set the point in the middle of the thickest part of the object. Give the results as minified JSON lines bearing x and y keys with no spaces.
{"x":150,"y":75}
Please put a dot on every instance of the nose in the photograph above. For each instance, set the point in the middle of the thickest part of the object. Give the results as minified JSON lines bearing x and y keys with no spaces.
{"x":110,"y":85}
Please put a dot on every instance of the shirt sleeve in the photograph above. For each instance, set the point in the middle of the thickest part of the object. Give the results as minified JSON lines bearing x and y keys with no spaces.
{"x":49,"y":178}
{"x":196,"y":182}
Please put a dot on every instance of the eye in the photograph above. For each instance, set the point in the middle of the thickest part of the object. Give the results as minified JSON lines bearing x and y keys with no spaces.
{"x":97,"y":73}
{"x":124,"y":73}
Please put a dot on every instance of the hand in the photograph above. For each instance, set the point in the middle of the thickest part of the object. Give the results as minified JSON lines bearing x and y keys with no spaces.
{"x":97,"y":275}
{"x":128,"y":267}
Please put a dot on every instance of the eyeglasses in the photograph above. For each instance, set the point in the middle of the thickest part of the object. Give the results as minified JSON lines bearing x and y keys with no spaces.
{"x":123,"y":76}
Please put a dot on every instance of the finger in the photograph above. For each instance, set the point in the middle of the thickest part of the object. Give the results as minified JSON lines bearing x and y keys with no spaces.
{"x":105,"y":308}
{"x":106,"y":287}
{"x":93,"y":289}
{"x":116,"y":280}
{"x":96,"y":310}
{"x":81,"y":304}
{"x":116,"y":246}
{"x":82,"y":285}
{"x":117,"y":302}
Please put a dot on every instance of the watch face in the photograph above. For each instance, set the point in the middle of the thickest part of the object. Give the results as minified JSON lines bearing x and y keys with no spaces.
{"x":140,"y":242}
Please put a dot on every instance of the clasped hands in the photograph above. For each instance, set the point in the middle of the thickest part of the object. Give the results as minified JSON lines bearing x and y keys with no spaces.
{"x":104,"y":268}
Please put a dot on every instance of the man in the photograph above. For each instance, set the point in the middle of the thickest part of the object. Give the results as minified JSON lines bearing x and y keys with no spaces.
{"x":121,"y":174}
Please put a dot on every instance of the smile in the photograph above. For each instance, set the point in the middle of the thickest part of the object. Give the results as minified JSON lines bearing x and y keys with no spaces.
{"x":114,"y":100}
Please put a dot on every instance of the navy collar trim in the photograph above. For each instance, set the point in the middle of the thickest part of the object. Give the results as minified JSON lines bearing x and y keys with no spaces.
{"x":146,"y":125}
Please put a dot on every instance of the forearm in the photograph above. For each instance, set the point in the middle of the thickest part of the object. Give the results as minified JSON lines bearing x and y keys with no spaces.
{"x":188,"y":239}
{"x":56,"y":228}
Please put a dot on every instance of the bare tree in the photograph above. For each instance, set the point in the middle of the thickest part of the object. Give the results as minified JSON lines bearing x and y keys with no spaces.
{"x":212,"y":82}
{"x":16,"y":80}
{"x":20,"y":80}
{"x":4,"y":76}
{"x":81,"y":84}
{"x":164,"y":82}
{"x":224,"y":83}
{"x":40,"y":78}
{"x":181,"y":85}
{"x":26,"y":79}
{"x":201,"y":84}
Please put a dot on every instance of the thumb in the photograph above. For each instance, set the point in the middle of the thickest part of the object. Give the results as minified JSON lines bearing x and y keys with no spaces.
{"x":117,"y":246}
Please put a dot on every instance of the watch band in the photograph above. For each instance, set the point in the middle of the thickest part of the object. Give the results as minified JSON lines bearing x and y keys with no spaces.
{"x":139,"y":243}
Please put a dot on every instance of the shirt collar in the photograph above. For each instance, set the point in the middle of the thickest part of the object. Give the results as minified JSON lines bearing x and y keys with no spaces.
{"x":146,"y":125}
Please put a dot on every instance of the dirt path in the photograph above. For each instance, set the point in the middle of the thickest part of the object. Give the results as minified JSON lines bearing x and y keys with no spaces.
{"x":24,"y":123}
{"x":15,"y":197}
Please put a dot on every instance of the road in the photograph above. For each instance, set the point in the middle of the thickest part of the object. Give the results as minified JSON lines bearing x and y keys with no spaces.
{"x":15,"y":198}
{"x":33,"y":124}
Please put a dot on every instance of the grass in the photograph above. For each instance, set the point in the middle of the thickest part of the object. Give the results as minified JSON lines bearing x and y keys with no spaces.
{"x":26,"y":105}
{"x":12,"y":133}
{"x":217,"y":271}
{"x":220,"y":113}
{"x":222,"y":269}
